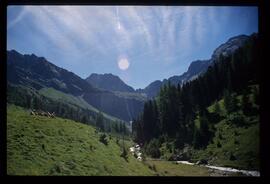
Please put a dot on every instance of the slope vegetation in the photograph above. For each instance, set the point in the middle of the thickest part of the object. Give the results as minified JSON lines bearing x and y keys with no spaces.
{"x":38,"y":145}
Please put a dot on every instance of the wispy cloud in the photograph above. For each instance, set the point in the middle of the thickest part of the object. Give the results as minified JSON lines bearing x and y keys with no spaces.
{"x":14,"y":21}
{"x":80,"y":28}
{"x":98,"y":35}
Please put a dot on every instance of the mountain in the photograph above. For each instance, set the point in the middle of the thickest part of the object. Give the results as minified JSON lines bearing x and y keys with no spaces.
{"x":230,"y":46}
{"x":194,"y":70}
{"x":108,"y":82}
{"x":197,"y":67}
{"x":106,"y":92}
{"x":151,"y":90}
{"x":37,"y":72}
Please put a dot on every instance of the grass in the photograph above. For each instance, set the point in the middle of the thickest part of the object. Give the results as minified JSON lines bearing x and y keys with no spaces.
{"x":39,"y":145}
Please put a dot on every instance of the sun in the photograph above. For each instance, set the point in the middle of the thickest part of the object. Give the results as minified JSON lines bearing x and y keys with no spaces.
{"x":123,"y":63}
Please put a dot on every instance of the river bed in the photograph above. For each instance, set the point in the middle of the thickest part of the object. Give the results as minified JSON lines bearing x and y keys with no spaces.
{"x":225,"y":169}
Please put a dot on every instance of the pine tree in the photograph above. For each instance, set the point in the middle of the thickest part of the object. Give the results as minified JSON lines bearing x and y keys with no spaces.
{"x":84,"y":119}
{"x":28,"y":101}
{"x":204,"y":130}
{"x":246,"y":105}
{"x":227,"y":100}
{"x":197,"y":138}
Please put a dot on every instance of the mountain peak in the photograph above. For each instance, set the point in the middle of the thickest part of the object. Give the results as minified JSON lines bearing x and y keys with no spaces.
{"x":13,"y":51}
{"x":198,"y":67}
{"x":230,"y":46}
{"x":108,"y":82}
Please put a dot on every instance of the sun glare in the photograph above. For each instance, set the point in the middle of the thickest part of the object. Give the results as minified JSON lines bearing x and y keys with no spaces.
{"x":123,"y":63}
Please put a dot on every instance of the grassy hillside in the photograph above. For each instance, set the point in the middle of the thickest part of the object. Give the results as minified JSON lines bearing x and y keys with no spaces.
{"x":38,"y":145}
{"x":232,"y":145}
{"x":45,"y":146}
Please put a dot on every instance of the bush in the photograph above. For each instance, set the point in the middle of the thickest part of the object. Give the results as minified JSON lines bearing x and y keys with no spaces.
{"x":152,"y":148}
{"x":236,"y":133}
{"x":152,"y":167}
{"x":102,"y":138}
{"x":124,"y":154}
{"x":218,"y":144}
{"x":232,"y":157}
{"x":236,"y":118}
{"x":117,"y":141}
{"x":236,"y":142}
{"x":202,"y":162}
{"x":220,"y":136}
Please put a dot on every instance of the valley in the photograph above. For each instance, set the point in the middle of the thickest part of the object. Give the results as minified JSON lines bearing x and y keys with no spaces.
{"x":209,"y":115}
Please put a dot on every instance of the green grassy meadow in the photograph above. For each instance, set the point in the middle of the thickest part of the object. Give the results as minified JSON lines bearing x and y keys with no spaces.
{"x":38,"y":145}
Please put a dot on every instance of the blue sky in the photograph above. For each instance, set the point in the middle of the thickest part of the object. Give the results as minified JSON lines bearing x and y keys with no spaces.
{"x":140,"y":44}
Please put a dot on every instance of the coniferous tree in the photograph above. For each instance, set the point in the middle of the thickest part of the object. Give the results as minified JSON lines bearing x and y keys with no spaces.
{"x":230,"y":102}
{"x":84,"y":119}
{"x":204,"y":130}
{"x":256,"y":95}
{"x":28,"y":101}
{"x":246,"y":104}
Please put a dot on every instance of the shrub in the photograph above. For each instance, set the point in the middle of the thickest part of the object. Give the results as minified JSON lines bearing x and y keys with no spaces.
{"x":236,"y":118}
{"x":220,"y":136}
{"x":117,"y":141}
{"x":232,"y":157}
{"x":218,"y":144}
{"x":102,"y":138}
{"x":152,"y":167}
{"x":152,"y":148}
{"x":236,"y":133}
{"x":124,"y":154}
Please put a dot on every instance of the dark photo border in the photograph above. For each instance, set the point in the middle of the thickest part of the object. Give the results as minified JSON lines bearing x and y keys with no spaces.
{"x":263,"y":6}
